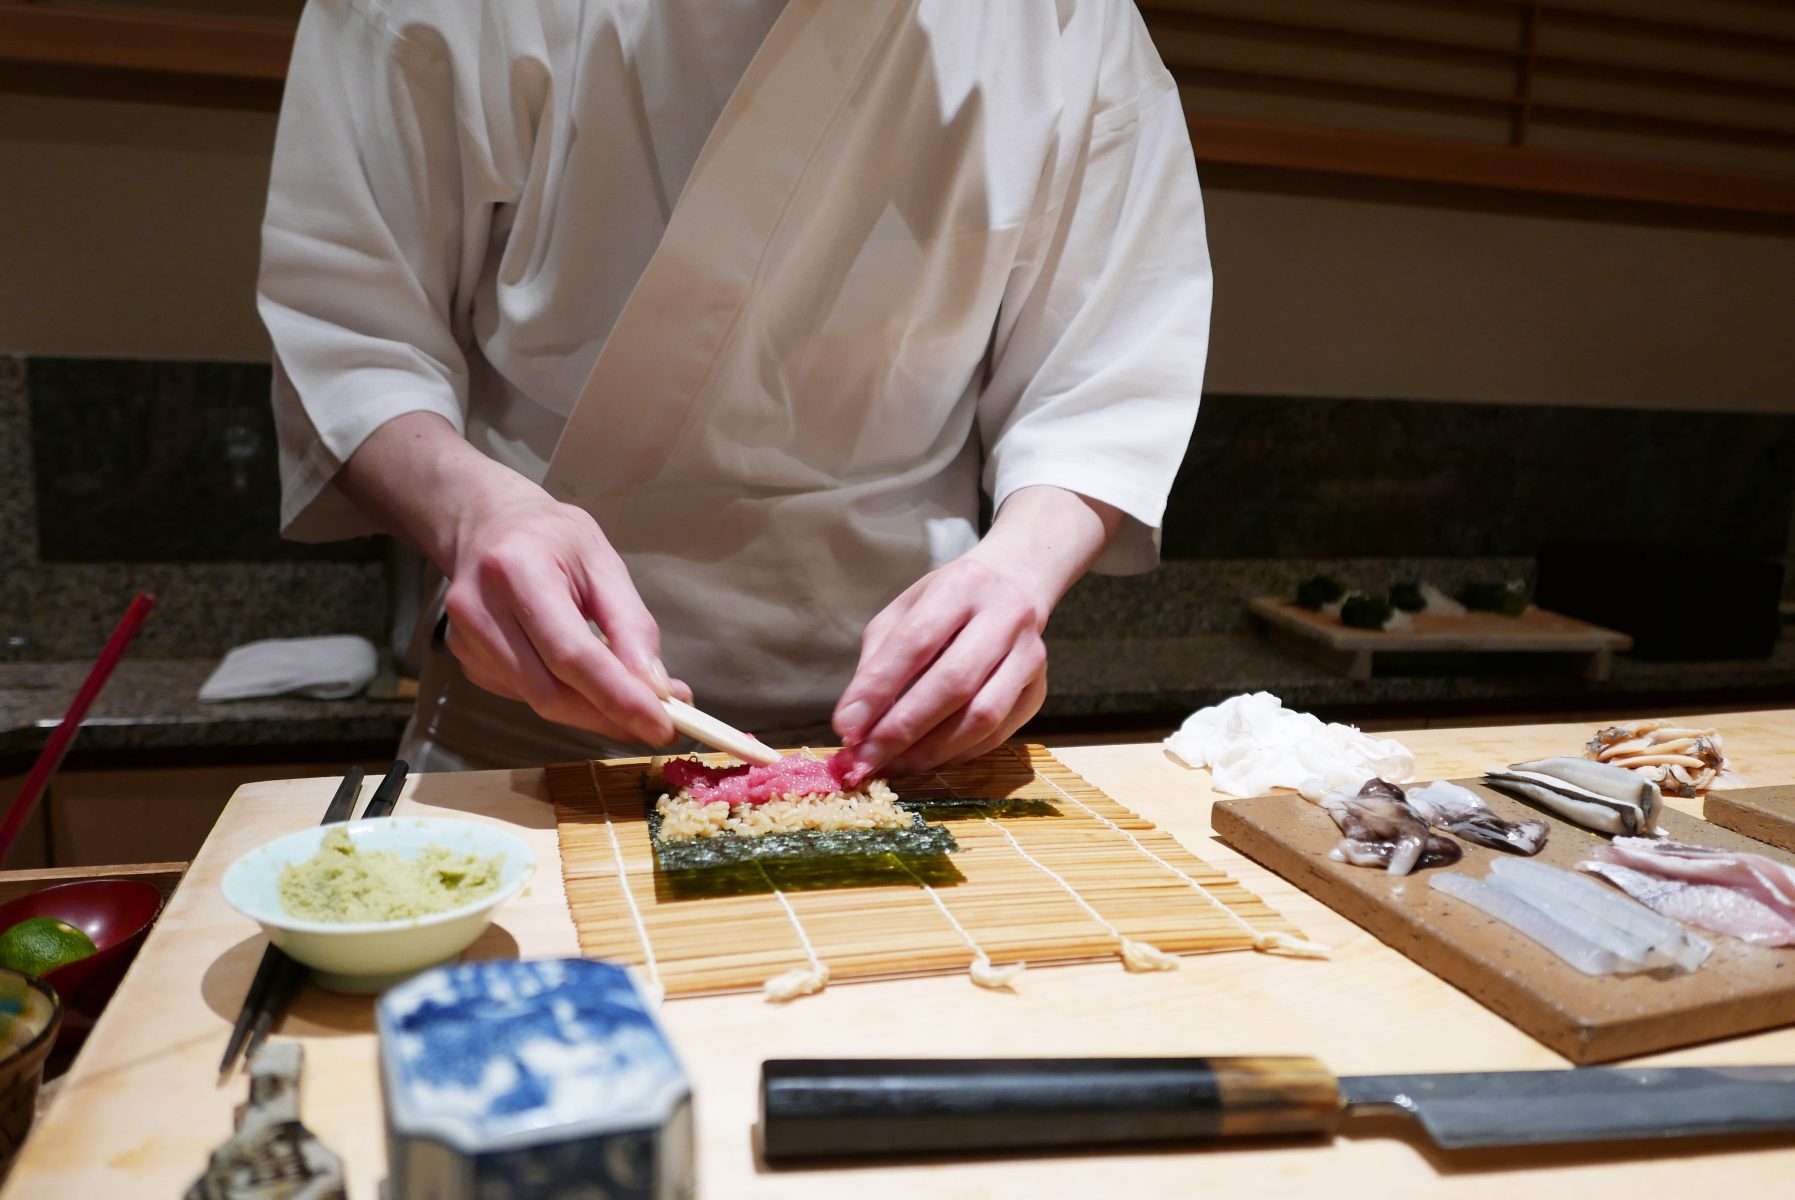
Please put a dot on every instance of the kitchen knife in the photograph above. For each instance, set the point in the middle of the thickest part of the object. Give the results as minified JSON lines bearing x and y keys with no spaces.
{"x":845,"y":1107}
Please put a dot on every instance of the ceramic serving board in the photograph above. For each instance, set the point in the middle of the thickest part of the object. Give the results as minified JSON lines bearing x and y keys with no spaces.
{"x":1767,"y":813}
{"x":1588,"y":1019}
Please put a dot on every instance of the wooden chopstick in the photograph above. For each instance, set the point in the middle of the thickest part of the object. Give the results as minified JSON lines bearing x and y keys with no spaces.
{"x":712,"y":732}
{"x":286,"y":977}
{"x":340,"y":806}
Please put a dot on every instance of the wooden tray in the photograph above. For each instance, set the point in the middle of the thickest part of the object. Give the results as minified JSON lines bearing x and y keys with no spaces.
{"x":1767,"y":813}
{"x":1588,"y":1019}
{"x":1014,"y":899}
{"x":1322,"y":637}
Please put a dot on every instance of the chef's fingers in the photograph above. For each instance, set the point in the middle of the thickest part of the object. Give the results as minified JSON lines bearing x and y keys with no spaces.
{"x":565,"y":643}
{"x":1007,"y":700}
{"x":1027,"y":705}
{"x":904,"y":653}
{"x":957,"y":676}
{"x":556,"y":702}
{"x":610,"y":598}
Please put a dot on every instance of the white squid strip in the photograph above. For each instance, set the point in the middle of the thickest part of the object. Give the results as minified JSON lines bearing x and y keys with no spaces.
{"x":1687,"y":950}
{"x":1635,"y":953}
{"x":1562,"y":941}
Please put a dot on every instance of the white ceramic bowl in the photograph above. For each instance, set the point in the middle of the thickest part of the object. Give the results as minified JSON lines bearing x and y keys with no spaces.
{"x":373,"y":955}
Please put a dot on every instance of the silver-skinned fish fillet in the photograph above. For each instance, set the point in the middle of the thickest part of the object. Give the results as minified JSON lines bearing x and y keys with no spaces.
{"x":1709,"y":905}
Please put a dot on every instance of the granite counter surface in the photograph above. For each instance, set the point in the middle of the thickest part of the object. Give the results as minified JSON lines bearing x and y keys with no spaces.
{"x":151,"y":704}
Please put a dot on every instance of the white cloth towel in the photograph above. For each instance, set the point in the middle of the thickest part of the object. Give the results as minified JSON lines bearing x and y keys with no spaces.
{"x":324,"y":668}
{"x":1252,"y":743}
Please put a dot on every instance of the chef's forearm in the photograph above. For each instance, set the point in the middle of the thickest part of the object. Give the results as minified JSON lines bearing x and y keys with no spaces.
{"x":1044,"y":539}
{"x":424,"y":484}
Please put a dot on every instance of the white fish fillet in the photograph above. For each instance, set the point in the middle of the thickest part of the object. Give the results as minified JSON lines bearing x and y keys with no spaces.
{"x":1566,"y":943}
{"x":1709,"y":905}
{"x":1765,"y":880}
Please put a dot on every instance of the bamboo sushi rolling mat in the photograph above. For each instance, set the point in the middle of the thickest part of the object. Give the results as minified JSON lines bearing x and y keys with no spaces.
{"x":1088,"y":882}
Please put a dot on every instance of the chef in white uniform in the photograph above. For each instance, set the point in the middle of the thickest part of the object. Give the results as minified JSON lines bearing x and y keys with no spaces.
{"x":702,"y":323}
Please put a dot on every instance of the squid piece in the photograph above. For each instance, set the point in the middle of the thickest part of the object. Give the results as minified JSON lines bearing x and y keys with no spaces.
{"x":1461,"y":811}
{"x":1382,"y":830}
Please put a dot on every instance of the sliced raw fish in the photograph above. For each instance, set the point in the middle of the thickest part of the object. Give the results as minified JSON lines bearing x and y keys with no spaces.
{"x":1634,"y":952}
{"x":1767,"y":881}
{"x":793,"y":775}
{"x":1709,"y":905}
{"x":1687,"y":950}
{"x":1566,"y":943}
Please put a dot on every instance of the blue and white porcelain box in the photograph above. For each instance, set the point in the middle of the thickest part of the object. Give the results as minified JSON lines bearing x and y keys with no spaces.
{"x":520,"y":1080}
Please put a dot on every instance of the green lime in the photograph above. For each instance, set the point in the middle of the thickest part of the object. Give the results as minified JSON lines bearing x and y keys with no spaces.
{"x":39,"y":944}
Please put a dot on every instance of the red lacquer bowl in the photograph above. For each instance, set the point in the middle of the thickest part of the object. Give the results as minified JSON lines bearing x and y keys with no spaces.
{"x":116,"y":914}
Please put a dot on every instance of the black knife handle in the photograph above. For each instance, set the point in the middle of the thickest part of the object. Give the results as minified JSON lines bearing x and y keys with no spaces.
{"x":833,"y":1107}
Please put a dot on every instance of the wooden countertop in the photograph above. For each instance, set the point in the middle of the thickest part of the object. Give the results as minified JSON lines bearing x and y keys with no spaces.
{"x":142,"y":1107}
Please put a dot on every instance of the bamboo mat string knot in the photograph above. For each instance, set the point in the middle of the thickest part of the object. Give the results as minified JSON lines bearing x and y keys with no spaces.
{"x":1269,"y":940}
{"x":984,"y":972}
{"x":799,"y":981}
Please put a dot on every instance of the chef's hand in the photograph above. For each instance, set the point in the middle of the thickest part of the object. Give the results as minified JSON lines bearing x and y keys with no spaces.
{"x":956,"y":664}
{"x":526,"y":574}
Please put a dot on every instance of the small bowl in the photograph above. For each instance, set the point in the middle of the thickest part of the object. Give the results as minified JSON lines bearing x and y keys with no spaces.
{"x":367,"y":957}
{"x":116,"y":914}
{"x":22,"y":1066}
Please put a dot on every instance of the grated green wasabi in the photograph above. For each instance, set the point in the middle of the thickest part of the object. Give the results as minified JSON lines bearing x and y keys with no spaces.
{"x":344,"y":884}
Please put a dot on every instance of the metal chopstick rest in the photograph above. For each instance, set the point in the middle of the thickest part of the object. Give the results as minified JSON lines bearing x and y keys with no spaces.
{"x":341,"y":805}
{"x":290,"y":975}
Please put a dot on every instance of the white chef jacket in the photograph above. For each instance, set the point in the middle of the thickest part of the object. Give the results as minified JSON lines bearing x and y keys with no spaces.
{"x":770,"y":289}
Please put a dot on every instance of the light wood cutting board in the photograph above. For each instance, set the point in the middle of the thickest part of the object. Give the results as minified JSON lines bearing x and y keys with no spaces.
{"x":1587,"y":1019}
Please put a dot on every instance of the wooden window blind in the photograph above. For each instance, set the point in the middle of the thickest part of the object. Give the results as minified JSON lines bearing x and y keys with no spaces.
{"x":1669,"y":101}
{"x":1687,"y":102}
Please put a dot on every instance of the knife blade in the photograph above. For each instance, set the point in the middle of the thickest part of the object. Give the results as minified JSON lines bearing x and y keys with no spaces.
{"x":858,"y":1107}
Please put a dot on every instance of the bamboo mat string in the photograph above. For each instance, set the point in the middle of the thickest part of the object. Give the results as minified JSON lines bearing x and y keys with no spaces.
{"x":799,"y":981}
{"x":984,"y":972}
{"x":1136,"y":956}
{"x":1263,"y":939}
{"x":657,"y":989}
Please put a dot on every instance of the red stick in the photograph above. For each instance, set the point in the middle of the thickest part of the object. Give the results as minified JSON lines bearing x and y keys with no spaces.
{"x":59,"y":742}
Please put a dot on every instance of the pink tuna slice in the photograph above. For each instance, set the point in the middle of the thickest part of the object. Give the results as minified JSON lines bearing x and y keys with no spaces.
{"x":1763,"y":879}
{"x":792,"y":775}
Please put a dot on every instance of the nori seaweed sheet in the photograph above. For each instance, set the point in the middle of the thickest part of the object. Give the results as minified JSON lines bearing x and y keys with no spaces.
{"x":729,"y":864}
{"x":805,"y":874}
{"x":966,"y":808}
{"x":919,"y":840}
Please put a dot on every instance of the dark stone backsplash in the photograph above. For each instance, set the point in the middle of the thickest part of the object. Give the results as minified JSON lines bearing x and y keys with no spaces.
{"x":1276,"y":477}
{"x":160,"y":462}
{"x":116,"y":476}
{"x":72,"y":553}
